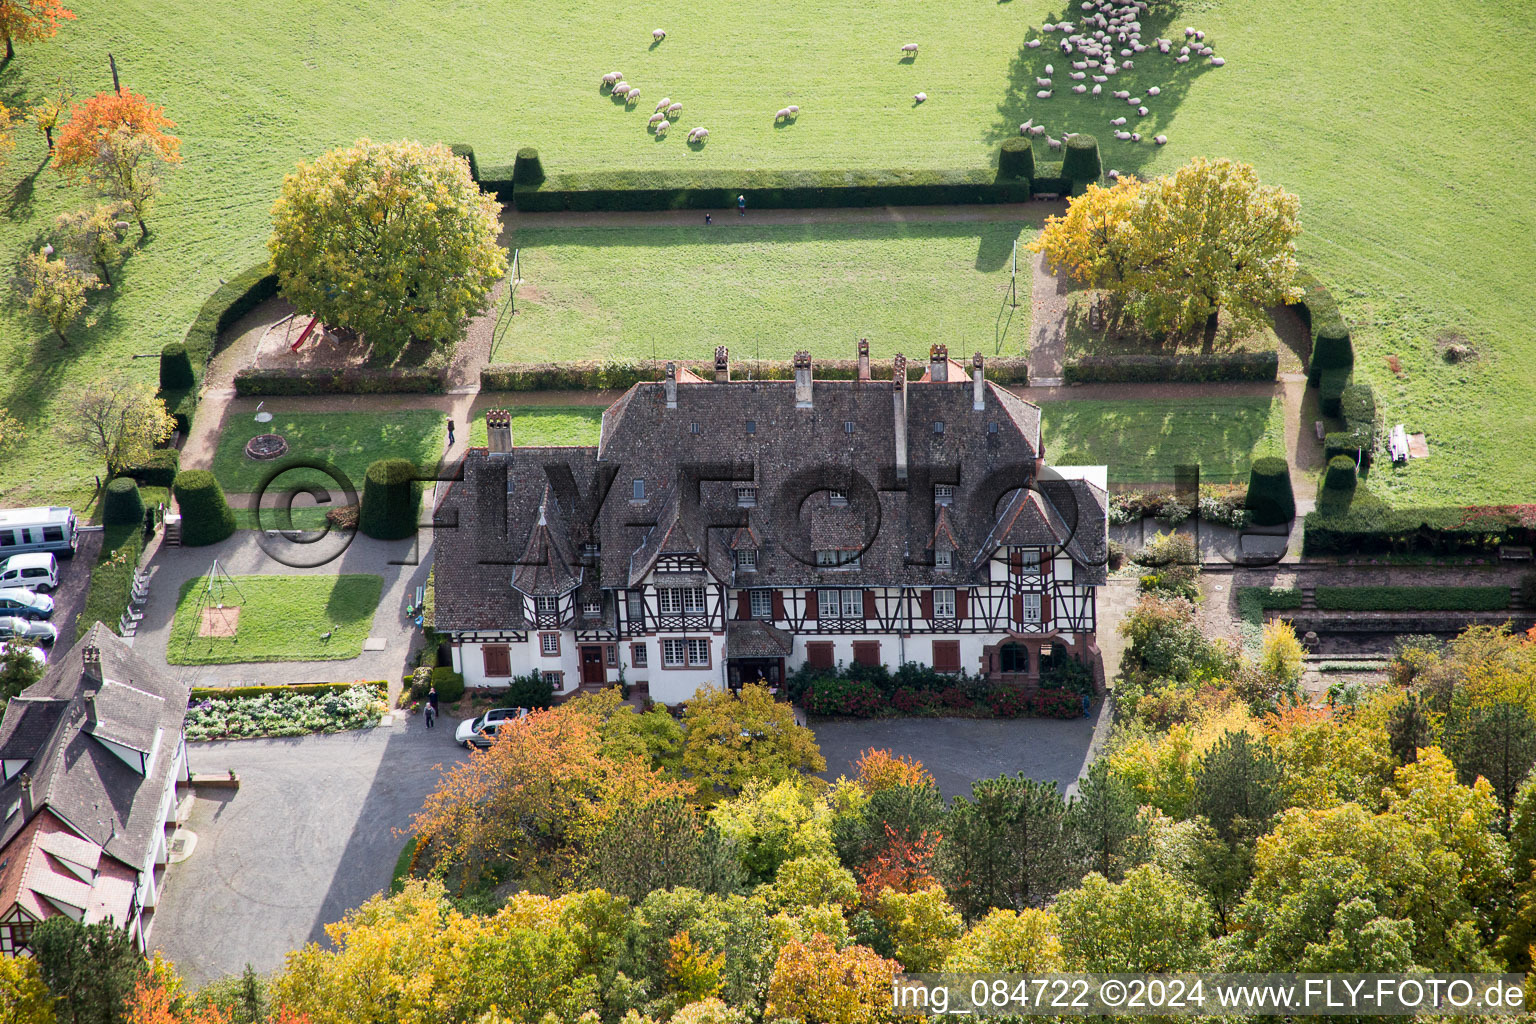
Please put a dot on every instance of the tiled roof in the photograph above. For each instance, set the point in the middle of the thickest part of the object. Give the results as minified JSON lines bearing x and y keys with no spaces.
{"x":750,"y":638}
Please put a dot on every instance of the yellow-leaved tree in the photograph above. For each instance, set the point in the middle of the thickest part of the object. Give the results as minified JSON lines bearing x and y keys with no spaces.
{"x":816,"y":983}
{"x":119,"y":420}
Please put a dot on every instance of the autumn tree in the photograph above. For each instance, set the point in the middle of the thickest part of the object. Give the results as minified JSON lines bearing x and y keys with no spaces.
{"x":816,"y":983}
{"x":1150,"y":922}
{"x":95,"y":234}
{"x":807,"y":882}
{"x":770,"y":824}
{"x":154,"y":1002}
{"x":118,"y":142}
{"x":734,"y":928}
{"x":661,"y":844}
{"x":902,"y":865}
{"x":908,"y":815}
{"x":1280,"y":659}
{"x":29,"y":21}
{"x":119,"y":420}
{"x":1096,"y":241}
{"x":48,"y":112}
{"x":923,"y":926}
{"x":731,"y":738}
{"x":24,"y":999}
{"x":394,"y":240}
{"x":878,"y":770}
{"x":54,"y":291}
{"x":1024,"y":941}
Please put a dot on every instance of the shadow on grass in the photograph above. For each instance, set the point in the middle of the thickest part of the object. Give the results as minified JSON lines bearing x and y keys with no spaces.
{"x":1070,"y":112}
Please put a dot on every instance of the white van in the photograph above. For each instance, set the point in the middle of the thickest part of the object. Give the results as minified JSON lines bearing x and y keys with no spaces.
{"x":45,"y":528}
{"x":38,"y":571}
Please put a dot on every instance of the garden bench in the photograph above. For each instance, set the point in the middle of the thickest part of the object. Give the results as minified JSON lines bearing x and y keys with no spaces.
{"x":1514,"y":553}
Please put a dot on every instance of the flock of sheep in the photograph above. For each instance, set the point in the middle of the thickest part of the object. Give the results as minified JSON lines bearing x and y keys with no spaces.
{"x":1107,"y":43}
{"x":661,"y":121}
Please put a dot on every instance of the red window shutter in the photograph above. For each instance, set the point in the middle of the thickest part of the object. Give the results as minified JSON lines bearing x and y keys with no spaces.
{"x":927,"y":602}
{"x":946,"y":655}
{"x":1018,"y":608}
{"x":811,"y":598}
{"x":778,"y":607}
{"x":871,"y":609}
{"x":866,"y":652}
{"x":818,"y":655}
{"x":1045,"y":607}
{"x":1016,"y":561}
{"x":498,"y":660}
{"x":743,"y":605}
{"x":962,"y":601}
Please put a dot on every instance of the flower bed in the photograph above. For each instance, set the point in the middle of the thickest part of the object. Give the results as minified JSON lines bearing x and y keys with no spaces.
{"x":284,"y":714}
{"x":919,"y":691}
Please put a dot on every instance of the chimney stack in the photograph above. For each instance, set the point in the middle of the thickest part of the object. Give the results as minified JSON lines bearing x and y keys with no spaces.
{"x":899,"y":397}
{"x":938,"y":364}
{"x":498,"y":431}
{"x":978,"y":384}
{"x":864,"y":359}
{"x":90,"y":661}
{"x":722,"y":364}
{"x":671,"y":385}
{"x":802,"y":380}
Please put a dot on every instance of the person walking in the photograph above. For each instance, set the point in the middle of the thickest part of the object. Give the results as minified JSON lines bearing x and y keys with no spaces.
{"x":450,"y":433}
{"x":741,"y":205}
{"x":431,"y":714}
{"x":708,"y":219}
{"x":431,"y":705}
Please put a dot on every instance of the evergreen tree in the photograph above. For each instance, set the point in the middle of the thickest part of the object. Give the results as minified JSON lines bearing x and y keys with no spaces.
{"x":661,"y":844}
{"x":1105,"y":830}
{"x":1408,"y":729}
{"x":1237,"y":787}
{"x":90,"y":969}
{"x":1006,"y":846}
{"x":1496,"y":741}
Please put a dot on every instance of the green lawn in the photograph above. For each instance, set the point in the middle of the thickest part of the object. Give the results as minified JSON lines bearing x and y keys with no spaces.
{"x":1410,"y":160}
{"x":1142,"y":441}
{"x":635,"y":293}
{"x":348,"y":440}
{"x":1119,"y":335}
{"x":547,"y":425}
{"x":282,"y":618}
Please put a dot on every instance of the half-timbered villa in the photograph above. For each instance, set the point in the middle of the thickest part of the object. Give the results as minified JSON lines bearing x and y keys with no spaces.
{"x":727,"y":531}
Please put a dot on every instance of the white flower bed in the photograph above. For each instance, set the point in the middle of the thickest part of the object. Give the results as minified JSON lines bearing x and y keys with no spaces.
{"x":284,"y":714}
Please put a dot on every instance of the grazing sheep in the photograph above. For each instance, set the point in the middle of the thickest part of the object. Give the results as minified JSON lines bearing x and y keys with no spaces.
{"x":1188,"y":32}
{"x":1117,"y":120}
{"x":781,"y":115}
{"x":909,"y":48}
{"x":1164,"y":47}
{"x":1199,"y":37}
{"x":1111,"y":70}
{"x":661,"y":129}
{"x":674,"y":109}
{"x":664,"y":103}
{"x":1182,"y":59}
{"x":919,"y":97}
{"x":1154,"y":91}
{"x":1135,"y":136}
{"x":1128,"y":65}
{"x":794,"y":111}
{"x":1217,"y":62}
{"x":659,"y":34}
{"x":1101,"y":78}
{"x":1184,"y":51}
{"x":1121,"y":95}
{"x":1044,"y":83}
{"x":1079,"y":89}
{"x":1053,"y":143}
{"x":1038,"y":129}
{"x":1122,"y":136}
{"x":618,"y":76}
{"x":1043,"y":94}
{"x":1080,"y":65}
{"x":1026,"y":126}
{"x":657,"y":117}
{"x":1141,"y":111}
{"x":1047,"y":27}
{"x":632,"y":95}
{"x":1033,"y":44}
{"x":1050,"y":69}
{"x":1161,"y":140}
{"x":1098,"y":89}
{"x":1134,"y":101}
{"x":1114,"y":175}
{"x":1079,"y":75}
{"x":621,"y":89}
{"x":698,"y":135}
{"x":611,"y":78}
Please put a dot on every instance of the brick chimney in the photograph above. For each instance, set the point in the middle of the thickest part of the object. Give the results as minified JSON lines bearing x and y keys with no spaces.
{"x":670,"y":384}
{"x":802,"y":380}
{"x":90,"y":661}
{"x":978,"y":384}
{"x":864,"y":359}
{"x":498,"y":431}
{"x":899,"y":398}
{"x":938,"y":364}
{"x":722,"y":364}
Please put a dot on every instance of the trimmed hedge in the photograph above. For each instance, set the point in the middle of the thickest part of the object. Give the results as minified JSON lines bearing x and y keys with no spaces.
{"x":1341,"y":474}
{"x":158,"y":469}
{"x":448,"y":684}
{"x":1320,"y":312}
{"x":1080,"y":160}
{"x":391,"y":500}
{"x":1016,"y":159}
{"x":1050,"y":179}
{"x":206,"y":517}
{"x":175,"y":367}
{"x":1357,"y":405}
{"x":180,"y":403}
{"x":1239,"y":366}
{"x":1269,"y":491}
{"x":468,"y":153}
{"x":1371,"y":525}
{"x":233,"y":299}
{"x":353,"y":381}
{"x":122,"y":503}
{"x":230,"y":692}
{"x":765,"y":190}
{"x":527,"y":168}
{"x":586,"y":375}
{"x":1330,"y":390}
{"x":1413,"y":599}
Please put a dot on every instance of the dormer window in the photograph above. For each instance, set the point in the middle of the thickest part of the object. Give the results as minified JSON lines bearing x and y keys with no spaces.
{"x":847,"y":426}
{"x":693,"y":428}
{"x":746,"y":559}
{"x":938,"y":426}
{"x":589,"y":550}
{"x":837,"y":497}
{"x":829,"y":559}
{"x":751,"y":426}
{"x":638,"y":493}
{"x":943,"y":559}
{"x":746,"y":497}
{"x":943,"y":494}
{"x":592,"y":609}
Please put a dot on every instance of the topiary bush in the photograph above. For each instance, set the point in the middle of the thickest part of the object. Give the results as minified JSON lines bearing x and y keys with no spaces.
{"x":391,"y":499}
{"x":158,"y":469}
{"x":1016,"y":159}
{"x":527,"y":169}
{"x":175,"y":367}
{"x":206,"y":517}
{"x":1331,"y":350}
{"x":1341,"y":474}
{"x":122,"y":504}
{"x":1269,"y":492}
{"x":1330,"y":390}
{"x":1080,"y":160}
{"x":448,"y":684}
{"x":468,"y":153}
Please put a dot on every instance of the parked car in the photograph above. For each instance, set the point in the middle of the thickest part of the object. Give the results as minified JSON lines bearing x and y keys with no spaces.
{"x":25,"y":604}
{"x":33,"y":650}
{"x":26,"y":629}
{"x":37,"y":571}
{"x":481,"y":731}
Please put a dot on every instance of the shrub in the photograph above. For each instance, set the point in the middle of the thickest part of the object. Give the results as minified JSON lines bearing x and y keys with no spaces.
{"x":391,"y":500}
{"x":1016,"y":159}
{"x":1252,"y":603}
{"x":233,"y":299}
{"x":356,"y":380}
{"x":831,"y":695}
{"x":158,"y":469}
{"x":1330,"y":390}
{"x":1528,"y":589}
{"x":765,"y":190}
{"x":448,"y":684}
{"x":1065,"y":672}
{"x":284,"y":713}
{"x":1357,"y":404}
{"x":530,"y":691}
{"x":468,"y":153}
{"x":175,"y":367}
{"x":1413,"y":599}
{"x":1341,"y":474}
{"x":1080,"y":160}
{"x":225,"y":692}
{"x":619,"y":374}
{"x":1269,"y":491}
{"x":1008,"y":702}
{"x":122,"y":503}
{"x":527,"y":168}
{"x":206,"y":517}
{"x":181,"y":403}
{"x":1235,"y":366}
{"x":914,"y":702}
{"x":1331,"y":350}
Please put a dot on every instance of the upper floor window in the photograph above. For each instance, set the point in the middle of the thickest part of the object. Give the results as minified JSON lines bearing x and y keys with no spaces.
{"x":546,"y":605}
{"x":746,"y":559}
{"x":943,"y":558}
{"x":943,"y":494}
{"x":680,"y":600}
{"x":638,"y":494}
{"x":761,"y":603}
{"x":746,"y":497}
{"x":1028,"y":561}
{"x":592,"y":609}
{"x":827,"y":559}
{"x":944,"y":604}
{"x":1031,"y":608}
{"x":840,"y":604}
{"x":636,"y":602}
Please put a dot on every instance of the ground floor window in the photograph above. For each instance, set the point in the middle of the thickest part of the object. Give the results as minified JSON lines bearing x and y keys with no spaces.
{"x":818,"y":654}
{"x":673,"y":653}
{"x":638,"y":656}
{"x":1013,"y":658}
{"x":946,"y":655}
{"x":554,"y":680}
{"x":698,"y":653}
{"x":866,"y":652}
{"x":498,"y":659}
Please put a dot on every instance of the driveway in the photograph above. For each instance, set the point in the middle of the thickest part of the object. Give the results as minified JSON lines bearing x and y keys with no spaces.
{"x":309,"y":836}
{"x":959,"y":751}
{"x":74,"y":581}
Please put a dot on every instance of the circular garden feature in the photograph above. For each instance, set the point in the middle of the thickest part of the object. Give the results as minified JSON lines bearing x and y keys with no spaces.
{"x":265,"y":447}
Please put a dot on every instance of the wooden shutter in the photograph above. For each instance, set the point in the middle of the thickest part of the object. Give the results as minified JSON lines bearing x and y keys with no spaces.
{"x":778,"y":606}
{"x":1045,"y":607}
{"x":871,"y":608}
{"x":743,"y":605}
{"x":946,"y":655}
{"x":812,"y":597}
{"x":1016,"y":561}
{"x":1018,"y":609}
{"x":866,"y":652}
{"x":927,"y":603}
{"x":498,"y":660}
{"x":962,"y":600}
{"x":819,"y":654}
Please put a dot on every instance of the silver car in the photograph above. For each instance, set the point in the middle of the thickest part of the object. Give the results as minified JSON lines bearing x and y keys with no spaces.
{"x":26,"y":629}
{"x":25,"y":604}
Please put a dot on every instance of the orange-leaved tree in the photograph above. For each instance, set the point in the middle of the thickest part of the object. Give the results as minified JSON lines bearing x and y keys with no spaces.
{"x":903,"y":866}
{"x":880,"y":769}
{"x":154,"y":1002}
{"x":26,"y":21}
{"x":816,"y":983}
{"x":118,"y":142}
{"x":534,"y":801}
